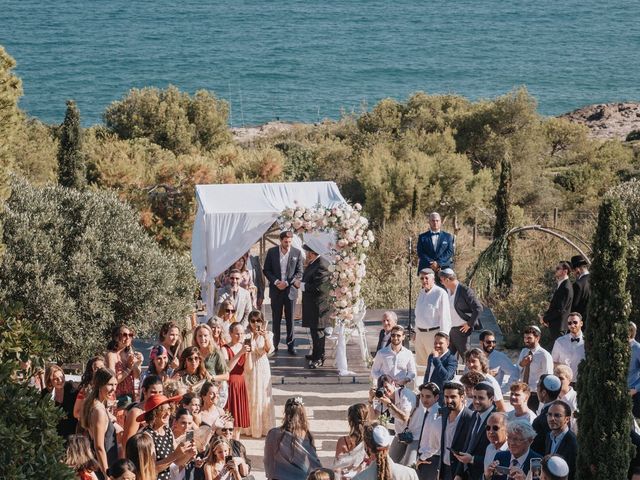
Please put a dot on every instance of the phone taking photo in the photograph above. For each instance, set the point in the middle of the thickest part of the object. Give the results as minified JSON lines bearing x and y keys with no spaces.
{"x":189,"y":436}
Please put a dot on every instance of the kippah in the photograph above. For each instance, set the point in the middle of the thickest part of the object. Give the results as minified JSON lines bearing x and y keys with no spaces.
{"x":557,"y":466}
{"x":536,"y":328}
{"x":447,"y":271}
{"x":381,"y":436}
{"x":552,"y":383}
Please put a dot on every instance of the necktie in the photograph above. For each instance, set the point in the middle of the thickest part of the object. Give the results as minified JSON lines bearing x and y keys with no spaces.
{"x":476,"y":424}
{"x":514,"y":463}
{"x":575,"y":339}
{"x":527,"y":371}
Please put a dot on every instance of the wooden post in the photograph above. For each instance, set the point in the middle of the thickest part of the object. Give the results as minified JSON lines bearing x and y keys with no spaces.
{"x":555,"y":217}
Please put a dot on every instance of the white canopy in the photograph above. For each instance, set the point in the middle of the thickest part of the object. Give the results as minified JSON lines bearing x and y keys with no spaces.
{"x":232,"y":217}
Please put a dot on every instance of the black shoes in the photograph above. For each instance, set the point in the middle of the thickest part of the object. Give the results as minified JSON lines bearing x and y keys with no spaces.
{"x":316,"y":364}
{"x":308,"y":357}
{"x":291,"y":351}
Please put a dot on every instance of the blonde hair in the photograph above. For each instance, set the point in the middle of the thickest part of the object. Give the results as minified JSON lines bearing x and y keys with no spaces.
{"x":140,"y":450}
{"x":48,"y":375}
{"x":79,"y":455}
{"x":223,"y":308}
{"x":203,"y":326}
{"x":215,"y":443}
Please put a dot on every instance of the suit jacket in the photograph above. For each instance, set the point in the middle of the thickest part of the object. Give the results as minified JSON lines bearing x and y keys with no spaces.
{"x":257,"y":277}
{"x":464,"y":426}
{"x":581,"y":294}
{"x":315,"y":297}
{"x":560,"y":306}
{"x":476,"y":446}
{"x":444,"y":369}
{"x":541,"y":426}
{"x":504,"y":458}
{"x":568,"y":449}
{"x":443,"y":253}
{"x":381,"y":340}
{"x":242,"y":303}
{"x":468,"y":306}
{"x":272,"y":270}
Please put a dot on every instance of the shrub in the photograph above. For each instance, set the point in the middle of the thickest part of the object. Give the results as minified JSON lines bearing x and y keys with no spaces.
{"x":80,"y":263}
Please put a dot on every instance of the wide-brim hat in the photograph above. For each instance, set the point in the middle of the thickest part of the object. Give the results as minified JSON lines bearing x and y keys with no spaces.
{"x":578,"y":261}
{"x":154,"y":401}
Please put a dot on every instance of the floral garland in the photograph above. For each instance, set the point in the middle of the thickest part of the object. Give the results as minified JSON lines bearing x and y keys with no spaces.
{"x":353,"y":238}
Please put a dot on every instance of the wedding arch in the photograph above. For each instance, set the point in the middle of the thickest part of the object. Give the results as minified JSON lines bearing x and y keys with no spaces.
{"x":231,"y":218}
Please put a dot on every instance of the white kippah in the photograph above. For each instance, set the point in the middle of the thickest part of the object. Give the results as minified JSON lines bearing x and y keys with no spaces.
{"x":447,"y":271}
{"x":557,"y":466}
{"x":381,"y":436}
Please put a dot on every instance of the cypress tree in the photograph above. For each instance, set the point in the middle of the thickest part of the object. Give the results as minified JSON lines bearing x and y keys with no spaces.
{"x":71,"y":167}
{"x":604,"y":421}
{"x":504,"y":223}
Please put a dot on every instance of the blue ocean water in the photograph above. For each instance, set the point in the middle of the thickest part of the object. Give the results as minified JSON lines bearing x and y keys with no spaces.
{"x":303,"y":60}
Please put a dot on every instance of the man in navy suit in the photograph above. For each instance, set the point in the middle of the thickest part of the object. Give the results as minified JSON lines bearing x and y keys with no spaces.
{"x":389,"y":320}
{"x":560,"y":306}
{"x":520,"y":435}
{"x":283,"y":269}
{"x":472,"y":457}
{"x":457,"y":421}
{"x":561,"y":440}
{"x":581,"y":287}
{"x":441,"y":364}
{"x":435,"y":247}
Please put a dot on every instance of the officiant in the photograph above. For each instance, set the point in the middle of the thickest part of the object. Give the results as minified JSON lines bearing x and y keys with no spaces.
{"x":315,"y":288}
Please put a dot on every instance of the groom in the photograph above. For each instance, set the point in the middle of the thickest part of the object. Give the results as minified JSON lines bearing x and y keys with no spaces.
{"x":283,"y":269}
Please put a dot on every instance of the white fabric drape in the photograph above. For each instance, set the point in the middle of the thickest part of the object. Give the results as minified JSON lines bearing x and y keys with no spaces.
{"x":231,"y":218}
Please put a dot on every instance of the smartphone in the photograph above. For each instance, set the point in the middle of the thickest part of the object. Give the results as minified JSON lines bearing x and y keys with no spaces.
{"x":228,"y":458}
{"x":189,"y":436}
{"x":247,"y":341}
{"x":500,"y":470}
{"x":454,"y":451}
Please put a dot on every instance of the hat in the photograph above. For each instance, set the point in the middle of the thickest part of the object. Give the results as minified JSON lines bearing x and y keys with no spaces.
{"x":557,"y":466}
{"x":381,"y":436}
{"x":158,"y":351}
{"x":153,"y":402}
{"x":427,"y":271}
{"x":447,"y":271}
{"x":578,"y":261}
{"x":552,"y":383}
{"x":307,"y":248}
{"x":536,"y":328}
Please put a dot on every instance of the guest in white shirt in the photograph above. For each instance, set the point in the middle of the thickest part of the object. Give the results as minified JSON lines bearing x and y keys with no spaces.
{"x":497,"y":435}
{"x":518,"y":397}
{"x":428,"y":459}
{"x":534,"y":361}
{"x":432,"y":314}
{"x":395,"y":360}
{"x":390,"y":399}
{"x":569,"y":349}
{"x":500,"y":365}
{"x":476,"y":361}
{"x":407,"y":453}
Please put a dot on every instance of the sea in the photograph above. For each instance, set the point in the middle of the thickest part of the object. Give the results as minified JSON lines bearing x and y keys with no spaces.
{"x":302,"y":60}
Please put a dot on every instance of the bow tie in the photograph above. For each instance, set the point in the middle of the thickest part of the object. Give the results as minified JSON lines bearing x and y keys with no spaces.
{"x":575,"y":339}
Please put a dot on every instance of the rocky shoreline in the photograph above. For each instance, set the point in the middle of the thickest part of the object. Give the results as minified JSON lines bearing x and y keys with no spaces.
{"x":604,"y":120}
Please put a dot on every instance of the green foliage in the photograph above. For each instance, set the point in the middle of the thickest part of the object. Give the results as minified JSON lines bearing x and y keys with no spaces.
{"x":35,"y":150}
{"x":502,"y":227}
{"x":604,"y":422}
{"x":71,"y":162}
{"x":170,"y":118}
{"x":79,"y":263}
{"x":10,"y":93}
{"x":32,"y":448}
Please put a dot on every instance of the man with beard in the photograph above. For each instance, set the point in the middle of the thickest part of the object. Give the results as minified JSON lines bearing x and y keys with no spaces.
{"x":457,"y":420}
{"x":500,"y":365}
{"x":396,"y":361}
{"x":534,"y":362}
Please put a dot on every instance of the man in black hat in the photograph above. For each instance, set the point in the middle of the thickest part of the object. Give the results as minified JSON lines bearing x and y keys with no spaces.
{"x":581,"y":289}
{"x":315,"y":303}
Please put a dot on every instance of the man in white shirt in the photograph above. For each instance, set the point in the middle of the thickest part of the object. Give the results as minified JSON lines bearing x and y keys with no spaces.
{"x":534,"y":361}
{"x":240,"y":297}
{"x":500,"y":365}
{"x":395,"y":360}
{"x":431,"y":433}
{"x":567,"y":393}
{"x":518,"y":397}
{"x":396,"y":401}
{"x":569,"y":349}
{"x":432,"y":315}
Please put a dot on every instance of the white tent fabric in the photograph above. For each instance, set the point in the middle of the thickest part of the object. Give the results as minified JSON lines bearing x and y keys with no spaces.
{"x":231,"y":218}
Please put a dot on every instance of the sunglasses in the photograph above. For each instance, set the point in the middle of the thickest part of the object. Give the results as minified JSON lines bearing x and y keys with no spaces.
{"x":492,"y":428}
{"x":230,"y":310}
{"x":193,"y":359}
{"x":127,"y":335}
{"x":226,"y":430}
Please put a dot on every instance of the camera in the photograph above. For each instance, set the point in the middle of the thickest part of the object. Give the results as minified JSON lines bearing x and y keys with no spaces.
{"x":380,"y":392}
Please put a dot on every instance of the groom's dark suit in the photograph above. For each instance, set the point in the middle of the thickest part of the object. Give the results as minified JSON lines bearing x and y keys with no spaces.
{"x":443,"y":253}
{"x":283,"y":298}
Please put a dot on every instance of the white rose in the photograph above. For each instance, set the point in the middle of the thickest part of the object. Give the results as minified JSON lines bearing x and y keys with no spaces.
{"x":297,"y":214}
{"x":366,"y":244}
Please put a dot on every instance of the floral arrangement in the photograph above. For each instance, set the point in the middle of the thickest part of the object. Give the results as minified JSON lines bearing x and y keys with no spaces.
{"x":353,"y":238}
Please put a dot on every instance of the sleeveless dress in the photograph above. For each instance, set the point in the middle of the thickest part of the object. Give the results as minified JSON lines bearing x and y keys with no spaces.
{"x":164,"y":447}
{"x":238,"y":404}
{"x":258,"y":381}
{"x":126,"y":386}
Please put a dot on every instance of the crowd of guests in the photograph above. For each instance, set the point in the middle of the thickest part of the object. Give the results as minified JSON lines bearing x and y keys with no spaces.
{"x":443,"y":410}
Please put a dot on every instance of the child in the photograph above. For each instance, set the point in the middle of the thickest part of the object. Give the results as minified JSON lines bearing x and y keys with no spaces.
{"x":123,"y":469}
{"x":80,"y":458}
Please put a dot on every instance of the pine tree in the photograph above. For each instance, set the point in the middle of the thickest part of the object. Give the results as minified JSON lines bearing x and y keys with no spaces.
{"x":604,"y":421}
{"x":504,"y":223}
{"x":71,"y":166}
{"x":10,"y":92}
